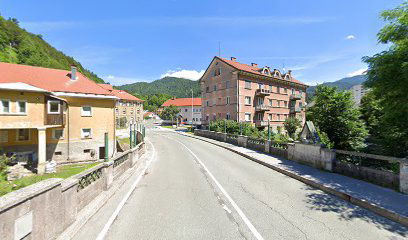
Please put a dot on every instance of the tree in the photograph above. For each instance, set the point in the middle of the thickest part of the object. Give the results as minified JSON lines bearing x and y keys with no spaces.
{"x":388,"y":79}
{"x":170,"y":113}
{"x":291,"y":126}
{"x":334,"y":114}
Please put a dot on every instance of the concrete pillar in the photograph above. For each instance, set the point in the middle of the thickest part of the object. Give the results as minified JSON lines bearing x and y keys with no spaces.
{"x":107,"y":175}
{"x":404,"y":177}
{"x":224,"y":137}
{"x":42,"y":150}
{"x":134,"y":156}
{"x":327,"y":157}
{"x":267,"y":146}
{"x":242,"y":141}
{"x":291,"y":151}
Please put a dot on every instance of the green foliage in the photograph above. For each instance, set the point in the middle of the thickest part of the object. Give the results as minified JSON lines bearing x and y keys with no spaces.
{"x":19,"y":46}
{"x":342,"y":84}
{"x":170,"y":86}
{"x":335,"y":115}
{"x":388,"y":79}
{"x":170,"y":113}
{"x":4,"y":161}
{"x":292,"y":124}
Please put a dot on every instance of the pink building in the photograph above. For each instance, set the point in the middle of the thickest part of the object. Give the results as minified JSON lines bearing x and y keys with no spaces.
{"x":248,"y":93}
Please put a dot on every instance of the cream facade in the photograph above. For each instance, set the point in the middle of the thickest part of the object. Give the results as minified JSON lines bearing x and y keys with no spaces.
{"x":39,"y":126}
{"x":132,"y":111}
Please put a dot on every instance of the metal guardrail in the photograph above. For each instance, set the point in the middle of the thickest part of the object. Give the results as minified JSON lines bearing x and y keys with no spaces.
{"x":373,"y":156}
{"x":120,"y":159}
{"x":89,"y":177}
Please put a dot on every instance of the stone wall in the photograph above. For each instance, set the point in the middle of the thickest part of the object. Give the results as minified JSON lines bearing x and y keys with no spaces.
{"x":45,"y":209}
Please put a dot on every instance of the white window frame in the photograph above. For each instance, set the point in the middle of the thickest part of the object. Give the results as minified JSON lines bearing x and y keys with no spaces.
{"x":53,"y":134}
{"x":248,"y":84}
{"x":83,"y":112}
{"x":2,"y":107}
{"x":228,"y":100}
{"x":82,"y":133}
{"x":248,"y":114}
{"x":49,"y":106}
{"x":250,"y":100}
{"x":18,"y":135}
{"x":18,"y":106}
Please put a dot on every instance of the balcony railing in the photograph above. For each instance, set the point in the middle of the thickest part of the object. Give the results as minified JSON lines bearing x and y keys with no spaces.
{"x":262,"y":107}
{"x":295,"y":110}
{"x":296,"y":96}
{"x":55,"y":119}
{"x":261,"y":123}
{"x":262,"y":92}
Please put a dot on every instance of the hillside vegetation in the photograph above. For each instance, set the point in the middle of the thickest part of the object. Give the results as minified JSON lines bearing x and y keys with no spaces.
{"x":342,"y":84}
{"x":22,"y":47}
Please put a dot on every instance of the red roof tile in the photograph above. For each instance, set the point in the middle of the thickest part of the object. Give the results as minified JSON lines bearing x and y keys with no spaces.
{"x":53,"y":80}
{"x":121,"y":94}
{"x":182,"y":102}
{"x":251,"y":69}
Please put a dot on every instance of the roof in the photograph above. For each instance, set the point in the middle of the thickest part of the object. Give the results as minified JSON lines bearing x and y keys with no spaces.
{"x":121,"y":94}
{"x":21,"y":87}
{"x":253,"y":69}
{"x":179,"y":102}
{"x":53,"y":80}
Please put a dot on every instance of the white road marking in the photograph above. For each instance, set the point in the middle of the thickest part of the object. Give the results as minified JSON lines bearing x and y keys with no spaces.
{"x":234,"y":205}
{"x":112,"y":218}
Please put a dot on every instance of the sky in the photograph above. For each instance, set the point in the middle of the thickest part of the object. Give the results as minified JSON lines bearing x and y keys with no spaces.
{"x":131,"y":41}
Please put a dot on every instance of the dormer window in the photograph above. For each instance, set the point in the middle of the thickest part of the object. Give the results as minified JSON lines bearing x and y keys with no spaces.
{"x":217,"y":71}
{"x":266,"y":71}
{"x":276,"y":74}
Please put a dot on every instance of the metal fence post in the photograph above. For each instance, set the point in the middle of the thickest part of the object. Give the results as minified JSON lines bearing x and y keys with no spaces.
{"x":240,"y":128}
{"x":130,"y":136}
{"x":106,"y":147}
{"x":269,"y":131}
{"x":225,"y":126}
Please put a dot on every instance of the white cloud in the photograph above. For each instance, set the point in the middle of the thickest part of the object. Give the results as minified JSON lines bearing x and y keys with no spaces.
{"x":361,"y":71}
{"x":351,"y":37}
{"x":189,"y":74}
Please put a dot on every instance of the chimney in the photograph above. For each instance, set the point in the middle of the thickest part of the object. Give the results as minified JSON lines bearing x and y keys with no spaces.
{"x":234,"y":59}
{"x":254,"y":65}
{"x":290,"y":72}
{"x":73,"y":72}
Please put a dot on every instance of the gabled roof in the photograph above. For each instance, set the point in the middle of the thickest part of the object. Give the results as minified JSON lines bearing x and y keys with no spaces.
{"x":19,"y":86}
{"x":121,"y":94}
{"x":253,"y":69}
{"x":53,"y":80}
{"x":179,"y":102}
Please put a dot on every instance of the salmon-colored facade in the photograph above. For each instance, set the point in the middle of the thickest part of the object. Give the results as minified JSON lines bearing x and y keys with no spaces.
{"x":247,"y":93}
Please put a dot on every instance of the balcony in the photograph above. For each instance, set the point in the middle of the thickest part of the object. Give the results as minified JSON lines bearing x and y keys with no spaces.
{"x":295,"y":110}
{"x":262,"y":107}
{"x":262,"y":92}
{"x":55,"y":119}
{"x":261,"y":123}
{"x":296,"y":96}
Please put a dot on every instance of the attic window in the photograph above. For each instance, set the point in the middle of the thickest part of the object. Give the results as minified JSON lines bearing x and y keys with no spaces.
{"x":266,"y":71}
{"x":287,"y":77}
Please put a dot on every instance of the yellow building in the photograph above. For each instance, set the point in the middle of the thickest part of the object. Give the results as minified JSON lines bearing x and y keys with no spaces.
{"x":49,"y":114}
{"x":129,"y":109}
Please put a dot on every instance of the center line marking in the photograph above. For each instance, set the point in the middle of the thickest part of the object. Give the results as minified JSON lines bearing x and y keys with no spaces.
{"x":234,"y":205}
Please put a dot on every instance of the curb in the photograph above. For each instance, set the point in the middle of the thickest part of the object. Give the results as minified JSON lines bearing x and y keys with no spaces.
{"x":394,"y":216}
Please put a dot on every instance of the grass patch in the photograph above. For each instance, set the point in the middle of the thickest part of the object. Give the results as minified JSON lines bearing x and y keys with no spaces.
{"x":167,"y":126}
{"x":124,"y":141}
{"x":64,"y":171}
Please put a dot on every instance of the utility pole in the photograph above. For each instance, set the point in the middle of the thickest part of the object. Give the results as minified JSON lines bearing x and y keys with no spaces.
{"x":192,"y":108}
{"x":269,"y":131}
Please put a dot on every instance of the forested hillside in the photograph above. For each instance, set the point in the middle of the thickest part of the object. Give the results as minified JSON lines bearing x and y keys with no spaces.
{"x":177,"y":87}
{"x":22,"y":47}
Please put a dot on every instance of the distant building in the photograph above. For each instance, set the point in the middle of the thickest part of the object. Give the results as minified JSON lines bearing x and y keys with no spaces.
{"x":190,"y":109}
{"x":248,"y":93}
{"x":129,"y":109}
{"x":358,"y":92}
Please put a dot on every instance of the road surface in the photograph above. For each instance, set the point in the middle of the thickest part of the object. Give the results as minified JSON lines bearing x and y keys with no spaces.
{"x":195,"y":190}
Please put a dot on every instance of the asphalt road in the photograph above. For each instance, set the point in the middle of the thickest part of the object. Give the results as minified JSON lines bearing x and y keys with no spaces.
{"x":195,"y":190}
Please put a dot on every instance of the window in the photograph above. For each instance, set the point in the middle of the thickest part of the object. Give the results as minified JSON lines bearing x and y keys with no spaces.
{"x":207,"y":103}
{"x":248,"y":84}
{"x":300,"y":104}
{"x":87,"y":150}
{"x":21,"y":107}
{"x":228,"y":100}
{"x":285,"y":90}
{"x":58,"y":133}
{"x":227,"y":84}
{"x":207,"y":117}
{"x":86,"y":111}
{"x":270,"y":117}
{"x":270,"y":88}
{"x":54,"y":107}
{"x":279,"y":103}
{"x":217,"y":71}
{"x":260,"y":85}
{"x":86,"y":133}
{"x":228,"y":116}
{"x":3,"y":136}
{"x":279,"y":117}
{"x":23,"y":134}
{"x":247,"y":117}
{"x":247,"y":100}
{"x":5,"y":106}
{"x":215,"y":88}
{"x":278,"y":89}
{"x":185,"y":110}
{"x":208,"y":89}
{"x":293,"y":91}
{"x":259,"y":117}
{"x":270,"y":102}
{"x":58,"y":153}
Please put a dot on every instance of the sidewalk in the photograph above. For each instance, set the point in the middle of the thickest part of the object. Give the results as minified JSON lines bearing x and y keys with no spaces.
{"x":383,"y":201}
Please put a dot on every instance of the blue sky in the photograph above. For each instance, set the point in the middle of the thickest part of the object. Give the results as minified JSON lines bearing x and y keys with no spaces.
{"x":129,"y":41}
